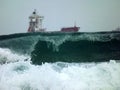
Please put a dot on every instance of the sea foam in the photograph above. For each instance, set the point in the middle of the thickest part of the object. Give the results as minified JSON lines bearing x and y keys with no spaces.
{"x":23,"y":75}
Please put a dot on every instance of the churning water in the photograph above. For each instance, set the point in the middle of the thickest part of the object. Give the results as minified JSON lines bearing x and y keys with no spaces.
{"x":41,"y":61}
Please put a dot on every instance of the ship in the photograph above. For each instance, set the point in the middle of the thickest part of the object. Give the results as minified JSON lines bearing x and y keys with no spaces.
{"x":35,"y":24}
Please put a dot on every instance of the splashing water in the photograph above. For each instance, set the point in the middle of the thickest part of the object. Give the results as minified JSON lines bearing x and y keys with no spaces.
{"x":6,"y":55}
{"x":17,"y":71}
{"x":23,"y":75}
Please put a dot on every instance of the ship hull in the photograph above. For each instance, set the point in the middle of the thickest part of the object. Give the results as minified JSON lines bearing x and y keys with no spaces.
{"x":70,"y":29}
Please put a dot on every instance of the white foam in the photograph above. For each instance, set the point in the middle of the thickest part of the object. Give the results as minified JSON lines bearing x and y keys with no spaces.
{"x":6,"y":55}
{"x":60,"y":76}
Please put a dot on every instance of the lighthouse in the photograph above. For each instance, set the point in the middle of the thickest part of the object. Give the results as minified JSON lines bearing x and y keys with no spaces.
{"x":35,"y":24}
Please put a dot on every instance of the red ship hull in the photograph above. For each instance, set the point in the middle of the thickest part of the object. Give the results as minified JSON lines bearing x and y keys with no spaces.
{"x":70,"y":29}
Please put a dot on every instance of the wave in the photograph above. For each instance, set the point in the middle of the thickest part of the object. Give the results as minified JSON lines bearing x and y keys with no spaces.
{"x":66,"y":47}
{"x":74,"y":61}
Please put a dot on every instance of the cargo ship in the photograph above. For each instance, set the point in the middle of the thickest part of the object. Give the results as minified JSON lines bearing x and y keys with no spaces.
{"x":35,"y":24}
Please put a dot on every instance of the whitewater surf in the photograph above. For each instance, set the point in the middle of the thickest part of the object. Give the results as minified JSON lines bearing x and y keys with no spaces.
{"x":60,"y":61}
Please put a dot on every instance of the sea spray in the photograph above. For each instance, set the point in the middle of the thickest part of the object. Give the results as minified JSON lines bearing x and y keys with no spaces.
{"x":6,"y":56}
{"x":60,"y":76}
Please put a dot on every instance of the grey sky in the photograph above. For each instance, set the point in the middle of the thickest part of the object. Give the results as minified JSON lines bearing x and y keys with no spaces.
{"x":90,"y":15}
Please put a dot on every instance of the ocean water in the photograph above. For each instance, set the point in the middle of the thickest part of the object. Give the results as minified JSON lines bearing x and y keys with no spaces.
{"x":53,"y":61}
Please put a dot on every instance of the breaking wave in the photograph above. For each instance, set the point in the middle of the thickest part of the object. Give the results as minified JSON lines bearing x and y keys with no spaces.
{"x":66,"y":47}
{"x":65,"y":61}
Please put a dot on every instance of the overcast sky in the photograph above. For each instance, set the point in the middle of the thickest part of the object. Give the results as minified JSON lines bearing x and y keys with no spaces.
{"x":90,"y":15}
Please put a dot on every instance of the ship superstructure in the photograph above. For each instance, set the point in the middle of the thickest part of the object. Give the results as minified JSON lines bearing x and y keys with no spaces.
{"x":35,"y":24}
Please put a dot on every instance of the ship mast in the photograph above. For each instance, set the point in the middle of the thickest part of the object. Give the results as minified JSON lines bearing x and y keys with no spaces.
{"x":35,"y":24}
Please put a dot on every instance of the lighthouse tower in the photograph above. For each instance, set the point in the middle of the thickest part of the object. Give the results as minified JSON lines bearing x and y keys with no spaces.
{"x":35,"y":24}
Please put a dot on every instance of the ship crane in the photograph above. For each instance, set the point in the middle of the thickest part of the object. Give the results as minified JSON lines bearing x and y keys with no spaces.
{"x":35,"y":24}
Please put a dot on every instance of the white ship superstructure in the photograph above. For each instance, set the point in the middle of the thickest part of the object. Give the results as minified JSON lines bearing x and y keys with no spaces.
{"x":35,"y":24}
